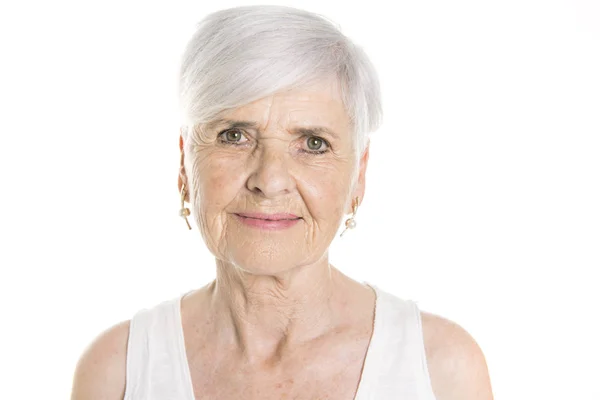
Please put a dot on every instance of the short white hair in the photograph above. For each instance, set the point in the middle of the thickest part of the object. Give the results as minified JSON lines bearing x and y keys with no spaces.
{"x":242,"y":54}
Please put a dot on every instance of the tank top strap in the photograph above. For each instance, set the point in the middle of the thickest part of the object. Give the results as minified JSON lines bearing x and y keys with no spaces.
{"x":157,"y":366}
{"x":419,"y":339}
{"x":396,"y":365}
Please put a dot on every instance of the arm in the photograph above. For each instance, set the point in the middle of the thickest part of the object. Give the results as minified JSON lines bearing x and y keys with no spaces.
{"x":100,"y":372}
{"x":456,"y":364}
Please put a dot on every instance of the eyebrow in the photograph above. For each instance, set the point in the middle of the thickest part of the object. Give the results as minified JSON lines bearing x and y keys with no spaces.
{"x":300,"y":130}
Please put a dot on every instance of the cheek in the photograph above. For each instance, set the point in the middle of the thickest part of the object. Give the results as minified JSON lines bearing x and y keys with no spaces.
{"x":325,"y":191}
{"x":217,"y":181}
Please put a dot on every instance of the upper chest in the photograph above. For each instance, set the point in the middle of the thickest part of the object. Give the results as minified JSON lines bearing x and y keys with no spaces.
{"x":305,"y":385}
{"x":329,"y":369}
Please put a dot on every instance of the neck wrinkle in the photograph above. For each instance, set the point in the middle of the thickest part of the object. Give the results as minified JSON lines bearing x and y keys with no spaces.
{"x":263,"y":320}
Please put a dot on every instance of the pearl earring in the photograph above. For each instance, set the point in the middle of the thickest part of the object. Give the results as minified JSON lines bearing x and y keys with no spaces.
{"x":350,"y":222}
{"x":184,"y":212}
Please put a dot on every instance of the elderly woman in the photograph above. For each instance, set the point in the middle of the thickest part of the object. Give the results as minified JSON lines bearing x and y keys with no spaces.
{"x":274,"y":148}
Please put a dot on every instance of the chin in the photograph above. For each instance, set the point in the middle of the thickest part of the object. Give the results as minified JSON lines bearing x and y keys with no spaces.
{"x":264,"y":262}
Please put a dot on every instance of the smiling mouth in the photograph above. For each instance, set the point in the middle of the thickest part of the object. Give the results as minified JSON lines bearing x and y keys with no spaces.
{"x":268,"y":222}
{"x":271,"y":217}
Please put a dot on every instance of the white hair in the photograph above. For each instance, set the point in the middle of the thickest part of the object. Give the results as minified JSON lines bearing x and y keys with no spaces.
{"x":242,"y":54}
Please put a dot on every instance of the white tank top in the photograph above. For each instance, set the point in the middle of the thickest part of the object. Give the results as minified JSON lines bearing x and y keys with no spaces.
{"x":395,"y":366}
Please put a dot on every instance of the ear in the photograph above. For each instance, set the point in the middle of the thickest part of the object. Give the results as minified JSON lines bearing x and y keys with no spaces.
{"x":359,"y":190}
{"x":182,"y":177}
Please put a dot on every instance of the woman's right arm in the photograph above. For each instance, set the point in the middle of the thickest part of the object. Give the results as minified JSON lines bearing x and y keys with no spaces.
{"x":100,"y":372}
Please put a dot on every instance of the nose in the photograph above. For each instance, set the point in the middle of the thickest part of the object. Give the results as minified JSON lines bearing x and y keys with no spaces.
{"x":270,"y":176}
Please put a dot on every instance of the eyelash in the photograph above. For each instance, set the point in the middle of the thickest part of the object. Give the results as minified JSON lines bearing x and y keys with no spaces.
{"x":316,"y":152}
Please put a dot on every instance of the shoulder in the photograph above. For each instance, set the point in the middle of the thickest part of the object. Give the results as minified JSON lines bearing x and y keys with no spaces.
{"x":101,"y":369}
{"x":456,"y":364}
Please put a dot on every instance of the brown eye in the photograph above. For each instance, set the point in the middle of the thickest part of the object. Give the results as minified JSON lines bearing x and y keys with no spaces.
{"x":315,"y":143}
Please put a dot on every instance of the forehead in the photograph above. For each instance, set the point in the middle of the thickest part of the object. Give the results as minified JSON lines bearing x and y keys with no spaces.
{"x":318,"y":104}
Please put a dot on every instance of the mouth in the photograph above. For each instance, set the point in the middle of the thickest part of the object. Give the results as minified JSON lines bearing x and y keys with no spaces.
{"x":270,"y":217}
{"x":268,"y":222}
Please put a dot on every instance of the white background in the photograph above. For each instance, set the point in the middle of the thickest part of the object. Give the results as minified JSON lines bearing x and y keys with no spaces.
{"x":482,"y":198}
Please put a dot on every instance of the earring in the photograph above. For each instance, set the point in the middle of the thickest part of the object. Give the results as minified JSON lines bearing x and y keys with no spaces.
{"x":184,"y":211}
{"x":350,"y":222}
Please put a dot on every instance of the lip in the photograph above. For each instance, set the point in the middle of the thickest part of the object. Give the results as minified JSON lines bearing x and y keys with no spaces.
{"x":269,"y":217}
{"x":268,"y":221}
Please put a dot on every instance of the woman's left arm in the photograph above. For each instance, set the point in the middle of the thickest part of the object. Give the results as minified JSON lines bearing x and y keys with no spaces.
{"x":456,"y":364}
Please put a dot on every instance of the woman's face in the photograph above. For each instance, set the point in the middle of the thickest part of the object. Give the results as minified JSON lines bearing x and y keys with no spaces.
{"x":290,"y":153}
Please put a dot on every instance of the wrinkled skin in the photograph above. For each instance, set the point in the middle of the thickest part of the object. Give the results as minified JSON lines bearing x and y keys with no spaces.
{"x":276,"y":284}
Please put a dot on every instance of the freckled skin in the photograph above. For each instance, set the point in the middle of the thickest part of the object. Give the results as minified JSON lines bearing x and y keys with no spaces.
{"x":275,"y":289}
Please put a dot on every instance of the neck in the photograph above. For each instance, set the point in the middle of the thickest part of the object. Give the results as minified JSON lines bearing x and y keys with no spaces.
{"x":264,"y":317}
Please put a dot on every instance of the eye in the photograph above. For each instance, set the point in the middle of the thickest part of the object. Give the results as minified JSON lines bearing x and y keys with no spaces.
{"x":231,"y":136}
{"x":317,"y":145}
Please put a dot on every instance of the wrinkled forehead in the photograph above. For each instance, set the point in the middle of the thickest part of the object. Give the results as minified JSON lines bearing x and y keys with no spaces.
{"x":319,"y":104}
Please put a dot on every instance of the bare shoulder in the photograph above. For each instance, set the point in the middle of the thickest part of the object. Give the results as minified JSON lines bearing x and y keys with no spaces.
{"x":100,"y":372}
{"x":456,"y":364}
